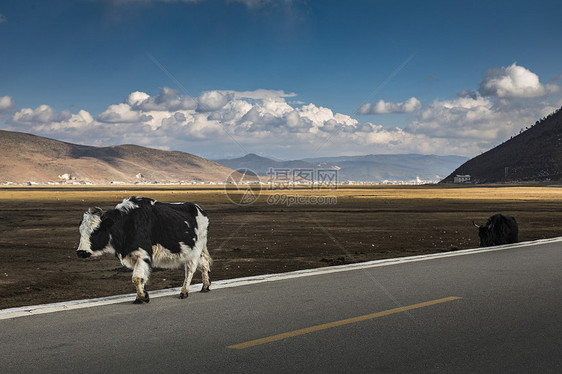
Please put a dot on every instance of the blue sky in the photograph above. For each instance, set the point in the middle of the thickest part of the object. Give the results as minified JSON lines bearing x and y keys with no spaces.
{"x":289,"y":79}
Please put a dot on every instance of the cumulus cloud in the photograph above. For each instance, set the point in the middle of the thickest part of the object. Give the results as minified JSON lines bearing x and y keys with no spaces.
{"x":211,"y":101}
{"x":514,"y":82}
{"x":463,"y":117}
{"x":223,"y":122}
{"x":45,"y":121}
{"x":260,"y":94}
{"x":122,"y":113}
{"x":487,"y":116}
{"x":472,"y":124}
{"x":176,"y":119}
{"x":383,"y":107}
{"x":398,"y":140}
{"x":42,"y":114}
{"x":6,"y":104}
{"x":135,"y":99}
{"x":168,"y":100}
{"x":260,"y":118}
{"x":473,"y":121}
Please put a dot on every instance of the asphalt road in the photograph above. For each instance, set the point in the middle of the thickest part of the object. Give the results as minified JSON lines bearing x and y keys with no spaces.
{"x":496,"y":311}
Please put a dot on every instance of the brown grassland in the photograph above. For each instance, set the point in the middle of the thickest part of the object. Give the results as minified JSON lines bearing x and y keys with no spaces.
{"x":39,"y":231}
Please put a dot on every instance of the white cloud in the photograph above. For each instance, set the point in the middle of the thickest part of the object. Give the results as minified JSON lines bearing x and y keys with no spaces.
{"x":514,"y":82}
{"x":474,"y":121}
{"x":78,"y":121}
{"x":211,"y":101}
{"x":44,"y":120}
{"x":264,"y":94}
{"x":317,"y":115}
{"x":260,"y":94}
{"x":6,"y":104}
{"x":3,"y":18}
{"x":122,"y":113}
{"x":383,"y":107}
{"x":397,"y":140}
{"x":477,"y":123}
{"x":135,"y":99}
{"x":234,"y":122}
{"x":463,"y":117}
{"x":40,"y":115}
{"x":168,"y":100}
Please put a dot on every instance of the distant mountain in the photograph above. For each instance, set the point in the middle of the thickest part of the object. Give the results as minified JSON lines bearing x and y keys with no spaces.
{"x":261,"y":165}
{"x":29,"y":158}
{"x":393,"y":167}
{"x":533,"y":155}
{"x":369,"y":168}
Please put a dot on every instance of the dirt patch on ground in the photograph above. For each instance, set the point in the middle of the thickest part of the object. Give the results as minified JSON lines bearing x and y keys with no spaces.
{"x":39,"y":232}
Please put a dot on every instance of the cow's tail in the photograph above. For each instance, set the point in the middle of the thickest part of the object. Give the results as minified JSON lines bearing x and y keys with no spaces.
{"x":205,"y":254}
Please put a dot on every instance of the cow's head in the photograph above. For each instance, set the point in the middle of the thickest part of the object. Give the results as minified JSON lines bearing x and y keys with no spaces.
{"x":94,"y":234}
{"x":486,"y":234}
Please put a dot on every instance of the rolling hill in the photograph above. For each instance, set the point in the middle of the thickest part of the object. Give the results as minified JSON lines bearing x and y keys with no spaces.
{"x":533,"y":155}
{"x":28,"y":158}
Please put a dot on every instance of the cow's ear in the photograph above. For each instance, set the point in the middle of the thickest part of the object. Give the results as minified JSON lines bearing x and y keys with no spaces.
{"x":96,"y":211}
{"x":109,"y":218}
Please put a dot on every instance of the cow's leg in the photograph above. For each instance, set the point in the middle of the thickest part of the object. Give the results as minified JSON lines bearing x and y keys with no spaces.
{"x":190,"y":268}
{"x":204,"y":267}
{"x":141,"y":272}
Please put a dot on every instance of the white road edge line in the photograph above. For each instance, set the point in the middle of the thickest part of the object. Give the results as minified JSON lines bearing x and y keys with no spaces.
{"x":88,"y":303}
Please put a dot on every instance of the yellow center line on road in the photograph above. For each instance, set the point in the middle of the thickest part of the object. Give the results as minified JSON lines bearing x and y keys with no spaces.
{"x":325,"y":326}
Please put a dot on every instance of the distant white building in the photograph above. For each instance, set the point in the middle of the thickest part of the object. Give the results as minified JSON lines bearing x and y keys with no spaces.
{"x":462,"y":178}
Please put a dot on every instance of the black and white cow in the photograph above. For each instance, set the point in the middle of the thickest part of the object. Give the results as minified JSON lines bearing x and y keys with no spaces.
{"x":499,"y":229}
{"x":144,"y":233}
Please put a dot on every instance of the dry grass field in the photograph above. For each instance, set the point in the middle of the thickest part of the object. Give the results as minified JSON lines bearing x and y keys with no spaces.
{"x":283,"y":230}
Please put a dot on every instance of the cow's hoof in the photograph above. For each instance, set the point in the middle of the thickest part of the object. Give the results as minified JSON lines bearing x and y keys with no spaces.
{"x":140,"y":300}
{"x":205,"y":289}
{"x":184,"y":295}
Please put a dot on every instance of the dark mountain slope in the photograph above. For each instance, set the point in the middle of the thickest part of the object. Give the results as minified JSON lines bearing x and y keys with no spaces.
{"x":533,"y":155}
